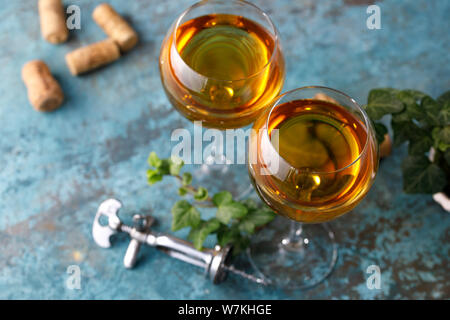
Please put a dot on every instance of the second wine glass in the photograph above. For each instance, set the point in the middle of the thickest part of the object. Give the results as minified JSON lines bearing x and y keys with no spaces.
{"x":313,"y":157}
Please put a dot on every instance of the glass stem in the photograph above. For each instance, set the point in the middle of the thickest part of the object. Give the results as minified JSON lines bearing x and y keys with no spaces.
{"x":294,"y":240}
{"x":295,"y":232}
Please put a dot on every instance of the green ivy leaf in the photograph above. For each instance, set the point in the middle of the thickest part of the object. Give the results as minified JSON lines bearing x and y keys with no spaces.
{"x":186,"y":179}
{"x":422,"y":176}
{"x":441,"y":137}
{"x":447,"y":156}
{"x":240,"y":244}
{"x":432,"y":110}
{"x":383,"y":101}
{"x":153,"y":160}
{"x":380,"y":131}
{"x":444,"y":135}
{"x":445,"y":97}
{"x":222,"y":198}
{"x":182,"y":191}
{"x":401,"y":117}
{"x":444,"y":114}
{"x":184,"y":215}
{"x":261,"y":217}
{"x":153,"y":176}
{"x":232,"y":236}
{"x":175,"y":165}
{"x":229,"y":210}
{"x":201,"y":194}
{"x":404,"y":131}
{"x":414,"y":111}
{"x":164,"y":167}
{"x":409,"y":95}
{"x":247,"y":226}
{"x":227,"y":236}
{"x":198,"y":234}
{"x":256,"y":218}
{"x":420,"y":146}
{"x":250,"y":204}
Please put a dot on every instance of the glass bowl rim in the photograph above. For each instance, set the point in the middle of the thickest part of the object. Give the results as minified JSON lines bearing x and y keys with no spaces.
{"x":242,"y":2}
{"x":367,"y":124}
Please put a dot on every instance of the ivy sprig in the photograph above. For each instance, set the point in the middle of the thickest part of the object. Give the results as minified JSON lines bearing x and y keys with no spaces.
{"x":423,"y":123}
{"x":234,"y":221}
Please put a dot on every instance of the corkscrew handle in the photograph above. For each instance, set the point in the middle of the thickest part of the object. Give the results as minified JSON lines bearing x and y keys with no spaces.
{"x":213,"y":261}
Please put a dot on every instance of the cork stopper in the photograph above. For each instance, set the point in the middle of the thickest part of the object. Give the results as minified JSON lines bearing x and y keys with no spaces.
{"x":53,"y":21}
{"x":386,"y":147}
{"x":115,"y":26}
{"x":44,"y":92}
{"x":92,"y":56}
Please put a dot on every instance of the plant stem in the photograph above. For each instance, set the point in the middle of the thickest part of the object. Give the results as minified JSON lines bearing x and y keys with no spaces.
{"x":193,"y":190}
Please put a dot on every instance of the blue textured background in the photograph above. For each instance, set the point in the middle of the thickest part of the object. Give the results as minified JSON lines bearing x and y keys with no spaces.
{"x":56,"y":168}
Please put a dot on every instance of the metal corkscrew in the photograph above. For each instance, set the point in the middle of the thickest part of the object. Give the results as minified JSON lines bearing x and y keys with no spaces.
{"x":215,"y":262}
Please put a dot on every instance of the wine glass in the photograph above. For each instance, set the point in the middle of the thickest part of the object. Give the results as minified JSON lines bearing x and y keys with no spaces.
{"x":313,"y":157}
{"x":221,"y":64}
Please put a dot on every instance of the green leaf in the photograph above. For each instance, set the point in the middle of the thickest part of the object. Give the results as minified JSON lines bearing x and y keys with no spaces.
{"x":408,"y":95}
{"x":186,"y":179}
{"x":444,"y":114}
{"x":164,"y":167}
{"x":200,"y":233}
{"x":250,"y":204}
{"x":233,"y":237}
{"x":153,"y":176}
{"x":175,"y":165}
{"x":447,"y":156}
{"x":441,"y":137}
{"x":412,"y":109}
{"x":380,"y":131}
{"x":229,"y":210}
{"x":445,"y":97}
{"x":422,"y":176}
{"x":444,"y":135}
{"x":247,"y":226}
{"x":432,"y":110}
{"x":401,"y":117}
{"x":420,"y":146}
{"x":240,"y":244}
{"x":222,"y":198}
{"x":201,"y":194}
{"x":404,"y":131}
{"x":382,"y":102}
{"x":227,"y":236}
{"x":256,"y":218}
{"x":153,"y":160}
{"x":184,"y":215}
{"x":182,"y":191}
{"x":261,"y":217}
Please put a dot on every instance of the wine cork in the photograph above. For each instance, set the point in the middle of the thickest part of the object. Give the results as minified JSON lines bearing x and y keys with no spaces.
{"x":115,"y":26}
{"x":386,"y":146}
{"x":53,"y":21}
{"x":44,"y":92}
{"x":92,"y":56}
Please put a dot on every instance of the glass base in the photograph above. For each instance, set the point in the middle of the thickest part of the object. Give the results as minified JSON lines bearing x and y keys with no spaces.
{"x":291,"y":255}
{"x":223,"y":177}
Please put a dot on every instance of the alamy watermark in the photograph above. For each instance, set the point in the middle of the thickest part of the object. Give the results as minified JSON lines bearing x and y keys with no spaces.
{"x":228,"y":147}
{"x":73,"y":281}
{"x":374,"y":280}
{"x":374,"y":20}
{"x":73,"y":21}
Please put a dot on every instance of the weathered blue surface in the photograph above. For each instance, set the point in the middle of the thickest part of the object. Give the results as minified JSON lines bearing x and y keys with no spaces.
{"x":56,"y":168}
